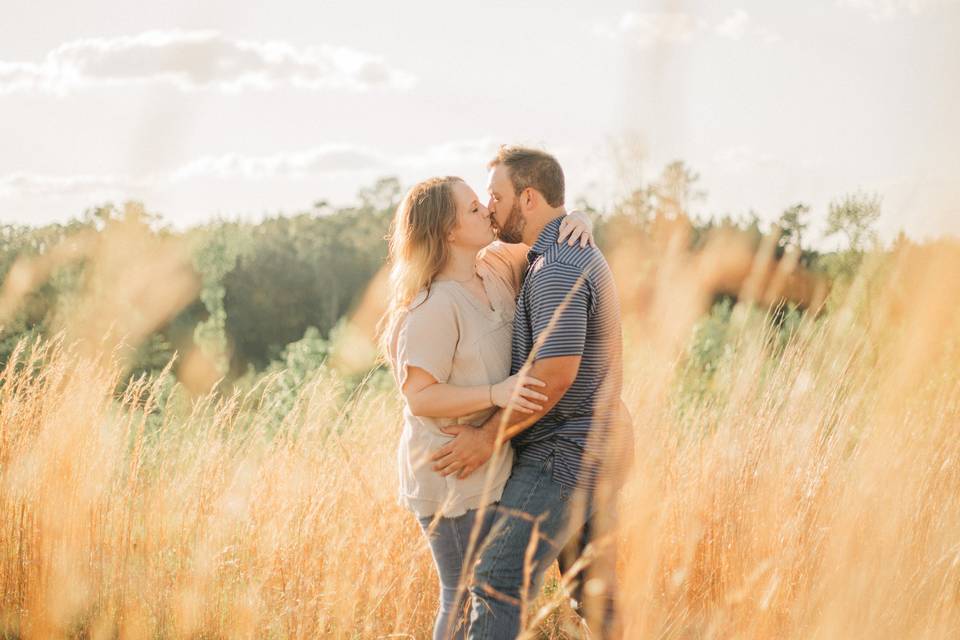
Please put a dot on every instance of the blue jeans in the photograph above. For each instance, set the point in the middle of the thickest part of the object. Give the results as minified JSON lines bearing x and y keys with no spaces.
{"x":449,"y":540}
{"x":564,"y":519}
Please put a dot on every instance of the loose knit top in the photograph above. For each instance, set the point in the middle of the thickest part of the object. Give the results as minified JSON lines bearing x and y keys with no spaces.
{"x":460,"y":340}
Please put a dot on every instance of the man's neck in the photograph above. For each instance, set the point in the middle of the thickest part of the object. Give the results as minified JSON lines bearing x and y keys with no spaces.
{"x":538,"y":221}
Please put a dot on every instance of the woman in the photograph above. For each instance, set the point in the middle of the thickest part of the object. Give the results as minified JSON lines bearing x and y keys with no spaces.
{"x":447,"y":336}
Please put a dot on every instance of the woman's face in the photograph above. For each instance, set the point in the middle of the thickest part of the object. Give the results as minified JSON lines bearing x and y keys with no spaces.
{"x":473,"y":228}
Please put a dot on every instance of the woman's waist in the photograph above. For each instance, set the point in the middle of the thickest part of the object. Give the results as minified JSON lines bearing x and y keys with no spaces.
{"x":417,"y":466}
{"x":435,"y":425}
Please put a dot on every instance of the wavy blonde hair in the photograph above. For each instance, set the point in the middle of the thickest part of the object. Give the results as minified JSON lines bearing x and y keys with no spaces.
{"x":417,"y":248}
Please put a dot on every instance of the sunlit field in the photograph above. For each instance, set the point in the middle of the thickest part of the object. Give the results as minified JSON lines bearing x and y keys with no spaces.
{"x":796,"y":473}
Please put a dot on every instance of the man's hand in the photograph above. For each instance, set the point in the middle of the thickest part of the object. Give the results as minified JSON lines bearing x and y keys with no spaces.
{"x":469,"y":449}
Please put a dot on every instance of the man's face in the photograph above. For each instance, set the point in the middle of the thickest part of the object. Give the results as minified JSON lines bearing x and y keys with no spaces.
{"x":505,"y":206}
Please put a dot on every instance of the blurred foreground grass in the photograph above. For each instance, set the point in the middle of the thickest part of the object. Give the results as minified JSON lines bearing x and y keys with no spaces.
{"x":797,"y":473}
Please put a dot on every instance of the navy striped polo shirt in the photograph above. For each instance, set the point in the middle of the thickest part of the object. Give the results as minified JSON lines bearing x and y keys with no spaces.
{"x":568,"y":306}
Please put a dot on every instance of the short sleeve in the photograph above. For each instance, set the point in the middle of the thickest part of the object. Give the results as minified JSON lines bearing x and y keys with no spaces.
{"x":428,"y":338}
{"x":558,"y":291}
{"x":508,"y":261}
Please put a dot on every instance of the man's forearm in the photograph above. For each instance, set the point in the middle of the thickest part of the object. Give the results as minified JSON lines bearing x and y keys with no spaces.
{"x":506,"y":427}
{"x":559,"y":374}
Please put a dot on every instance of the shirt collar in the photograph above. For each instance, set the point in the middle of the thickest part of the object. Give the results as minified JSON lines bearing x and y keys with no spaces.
{"x":548,"y":236}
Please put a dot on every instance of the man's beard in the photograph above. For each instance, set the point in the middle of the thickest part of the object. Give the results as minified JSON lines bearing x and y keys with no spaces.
{"x":512,"y":230}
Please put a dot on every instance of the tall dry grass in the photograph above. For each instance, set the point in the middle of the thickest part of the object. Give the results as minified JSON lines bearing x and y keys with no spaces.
{"x":811,"y":493}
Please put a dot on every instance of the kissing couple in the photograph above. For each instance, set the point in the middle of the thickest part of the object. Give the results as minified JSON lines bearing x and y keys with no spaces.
{"x":503,"y":334}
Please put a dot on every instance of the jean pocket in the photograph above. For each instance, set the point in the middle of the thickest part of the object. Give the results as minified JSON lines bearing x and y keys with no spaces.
{"x":546,"y":467}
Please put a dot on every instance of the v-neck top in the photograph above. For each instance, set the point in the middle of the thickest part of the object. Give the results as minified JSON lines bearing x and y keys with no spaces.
{"x":456,"y":338}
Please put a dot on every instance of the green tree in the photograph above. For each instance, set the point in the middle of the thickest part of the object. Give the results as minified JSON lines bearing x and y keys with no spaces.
{"x":671,"y":195}
{"x":793,"y":223}
{"x":854,"y":216}
{"x":384,"y":195}
{"x":675,"y":191}
{"x":304,"y":271}
{"x":216,"y":251}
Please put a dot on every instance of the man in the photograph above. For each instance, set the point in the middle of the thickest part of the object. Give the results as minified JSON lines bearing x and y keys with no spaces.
{"x":567,"y":333}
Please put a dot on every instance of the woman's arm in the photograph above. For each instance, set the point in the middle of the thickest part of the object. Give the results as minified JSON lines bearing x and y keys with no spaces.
{"x":428,"y":398}
{"x":510,"y":260}
{"x":576,"y":227}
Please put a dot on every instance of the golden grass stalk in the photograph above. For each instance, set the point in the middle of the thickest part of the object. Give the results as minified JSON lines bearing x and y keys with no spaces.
{"x":812,"y":493}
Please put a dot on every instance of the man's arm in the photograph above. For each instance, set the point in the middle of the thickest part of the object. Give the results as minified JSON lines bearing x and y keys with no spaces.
{"x":474,"y":445}
{"x":559,"y":372}
{"x":558,"y":304}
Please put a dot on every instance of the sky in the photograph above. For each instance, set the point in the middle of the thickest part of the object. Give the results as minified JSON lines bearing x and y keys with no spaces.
{"x":239,"y":109}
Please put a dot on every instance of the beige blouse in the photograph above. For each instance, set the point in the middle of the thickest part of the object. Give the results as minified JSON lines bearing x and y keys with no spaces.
{"x":459,"y":340}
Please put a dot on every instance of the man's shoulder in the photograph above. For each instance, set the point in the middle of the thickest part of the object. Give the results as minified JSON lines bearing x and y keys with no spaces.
{"x":564,"y":259}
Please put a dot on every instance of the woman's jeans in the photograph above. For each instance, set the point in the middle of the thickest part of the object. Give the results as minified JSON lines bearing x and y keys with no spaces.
{"x":449,"y":540}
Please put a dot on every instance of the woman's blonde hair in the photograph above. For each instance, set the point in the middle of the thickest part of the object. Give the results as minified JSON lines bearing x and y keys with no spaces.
{"x":417,"y":248}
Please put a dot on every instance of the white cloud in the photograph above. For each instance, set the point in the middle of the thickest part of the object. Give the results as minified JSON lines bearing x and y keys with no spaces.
{"x":768,"y":35}
{"x":451,"y":154}
{"x":742,"y":159}
{"x":740,"y":24}
{"x":734,"y":26}
{"x":296,"y":164}
{"x":890,"y":9}
{"x":22,"y":184}
{"x":327,"y":160}
{"x":651,"y":29}
{"x":334,"y":159}
{"x":190,"y":60}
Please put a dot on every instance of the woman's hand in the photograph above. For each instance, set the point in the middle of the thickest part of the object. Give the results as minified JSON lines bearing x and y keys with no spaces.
{"x":515,"y":394}
{"x":578,"y":227}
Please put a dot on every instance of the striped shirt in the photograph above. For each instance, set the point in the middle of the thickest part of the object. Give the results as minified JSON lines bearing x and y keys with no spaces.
{"x":568,"y":306}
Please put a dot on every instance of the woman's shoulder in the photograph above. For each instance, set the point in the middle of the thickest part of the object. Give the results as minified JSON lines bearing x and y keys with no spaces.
{"x":500,"y":250}
{"x":505,"y":260}
{"x":437,"y":300}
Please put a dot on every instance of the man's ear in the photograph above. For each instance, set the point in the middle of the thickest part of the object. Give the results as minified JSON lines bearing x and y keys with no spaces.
{"x":528,"y":199}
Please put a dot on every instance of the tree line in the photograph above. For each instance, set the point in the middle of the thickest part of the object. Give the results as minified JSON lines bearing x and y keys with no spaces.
{"x":265,"y":286}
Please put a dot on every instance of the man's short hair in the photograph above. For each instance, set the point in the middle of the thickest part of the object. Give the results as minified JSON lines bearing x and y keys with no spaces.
{"x":532,"y":168}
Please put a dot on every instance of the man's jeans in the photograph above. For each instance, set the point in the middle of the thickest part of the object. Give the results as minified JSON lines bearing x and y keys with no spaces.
{"x":532,"y":503}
